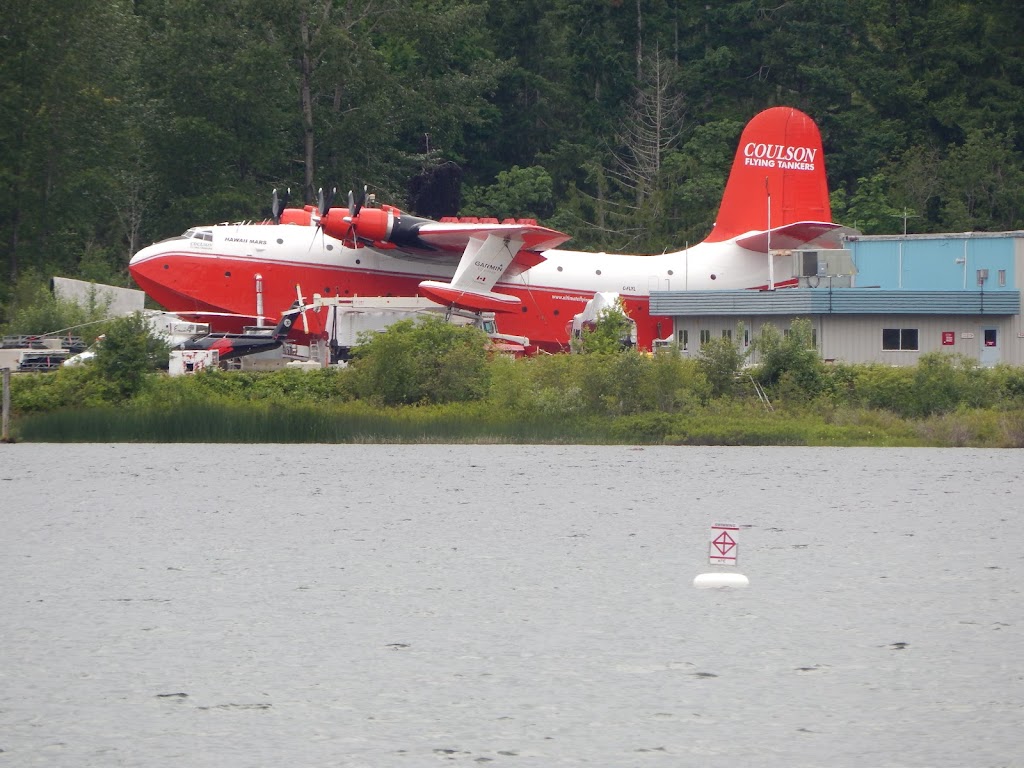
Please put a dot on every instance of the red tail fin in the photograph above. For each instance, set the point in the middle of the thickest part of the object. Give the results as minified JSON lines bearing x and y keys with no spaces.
{"x":779,"y":155}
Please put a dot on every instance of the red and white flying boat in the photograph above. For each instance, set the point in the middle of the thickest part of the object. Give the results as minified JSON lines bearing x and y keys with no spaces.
{"x":776,"y":198}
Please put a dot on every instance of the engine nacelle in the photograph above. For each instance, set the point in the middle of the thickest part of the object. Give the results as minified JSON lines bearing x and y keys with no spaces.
{"x":386,"y":226}
{"x":301,"y":216}
{"x":369,"y":224}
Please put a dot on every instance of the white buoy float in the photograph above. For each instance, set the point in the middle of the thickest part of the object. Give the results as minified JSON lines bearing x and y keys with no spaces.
{"x":722,"y":579}
{"x":723,"y":550}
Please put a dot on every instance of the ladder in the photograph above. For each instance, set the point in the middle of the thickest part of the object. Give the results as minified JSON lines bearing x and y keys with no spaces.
{"x":761,"y":394}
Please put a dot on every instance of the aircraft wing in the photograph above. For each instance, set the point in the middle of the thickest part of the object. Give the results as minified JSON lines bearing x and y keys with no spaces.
{"x":486,"y":257}
{"x":821,"y":234}
{"x":525,"y":240}
{"x":489,"y":249}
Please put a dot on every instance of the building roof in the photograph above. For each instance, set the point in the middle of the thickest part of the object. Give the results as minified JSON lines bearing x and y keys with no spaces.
{"x":824,"y":301}
{"x":1011,"y":234}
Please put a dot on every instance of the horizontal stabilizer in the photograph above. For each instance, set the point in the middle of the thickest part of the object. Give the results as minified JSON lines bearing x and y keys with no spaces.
{"x":821,"y":234}
{"x":449,"y":295}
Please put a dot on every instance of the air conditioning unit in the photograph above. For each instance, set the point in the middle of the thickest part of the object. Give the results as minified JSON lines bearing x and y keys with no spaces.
{"x":805,"y":264}
{"x":829,"y":262}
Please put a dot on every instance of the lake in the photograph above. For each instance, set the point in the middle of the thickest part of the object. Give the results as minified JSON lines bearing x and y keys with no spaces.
{"x":376,"y":605}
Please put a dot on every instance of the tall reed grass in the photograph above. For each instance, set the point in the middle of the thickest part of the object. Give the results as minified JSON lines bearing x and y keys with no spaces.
{"x":477,"y":423}
{"x":261,"y":423}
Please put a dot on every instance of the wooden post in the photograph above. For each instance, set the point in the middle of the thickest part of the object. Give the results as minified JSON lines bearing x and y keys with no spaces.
{"x":6,"y":434}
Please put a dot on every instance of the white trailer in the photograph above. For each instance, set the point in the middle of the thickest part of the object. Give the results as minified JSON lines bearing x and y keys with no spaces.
{"x":350,"y":319}
{"x":184,"y":362}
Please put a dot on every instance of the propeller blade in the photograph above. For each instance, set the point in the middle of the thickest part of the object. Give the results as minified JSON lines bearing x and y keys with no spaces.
{"x":323,"y":205}
{"x":351,"y":219}
{"x":302,"y":308}
{"x":275,"y":207}
{"x":360,"y":204}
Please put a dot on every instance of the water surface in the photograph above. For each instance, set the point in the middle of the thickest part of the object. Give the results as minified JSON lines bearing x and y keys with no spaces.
{"x":341,"y":605}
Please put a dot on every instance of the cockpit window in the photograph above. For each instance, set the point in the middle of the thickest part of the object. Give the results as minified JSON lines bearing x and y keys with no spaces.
{"x":204,"y":234}
{"x":183,"y":236}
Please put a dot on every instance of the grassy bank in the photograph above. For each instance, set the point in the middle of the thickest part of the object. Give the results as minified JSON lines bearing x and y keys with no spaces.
{"x":736,"y":424}
{"x":265,"y":423}
{"x":436,"y":383}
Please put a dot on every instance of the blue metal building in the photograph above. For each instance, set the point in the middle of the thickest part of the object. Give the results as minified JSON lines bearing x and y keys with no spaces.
{"x":907,"y":295}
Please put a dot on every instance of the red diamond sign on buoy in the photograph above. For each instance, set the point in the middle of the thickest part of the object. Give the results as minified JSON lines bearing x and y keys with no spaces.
{"x":724,"y":549}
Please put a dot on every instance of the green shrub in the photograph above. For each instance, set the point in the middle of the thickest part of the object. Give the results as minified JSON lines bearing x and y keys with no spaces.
{"x":74,"y":387}
{"x":128,"y":351}
{"x":676,"y":383}
{"x":430,"y":361}
{"x":610,"y":333}
{"x":884,"y":387}
{"x":644,"y":428}
{"x":34,"y":309}
{"x":793,"y":353}
{"x":720,"y":361}
{"x":942,"y":383}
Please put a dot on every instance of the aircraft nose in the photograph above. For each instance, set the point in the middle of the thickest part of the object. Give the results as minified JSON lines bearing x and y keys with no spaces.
{"x":146,"y":253}
{"x":146,"y":266}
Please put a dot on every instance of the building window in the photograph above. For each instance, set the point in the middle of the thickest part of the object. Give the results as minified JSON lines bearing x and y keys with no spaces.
{"x":705,"y":337}
{"x":1002,"y":278}
{"x":684,"y":339}
{"x":746,"y":337}
{"x":899,"y":339}
{"x":814,"y":336}
{"x":990,"y":337}
{"x":727,"y":334}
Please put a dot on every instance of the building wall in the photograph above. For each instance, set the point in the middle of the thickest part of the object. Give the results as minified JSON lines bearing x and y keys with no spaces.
{"x":936,"y":262}
{"x":1016,"y":330}
{"x":120,"y":301}
{"x":858,"y":338}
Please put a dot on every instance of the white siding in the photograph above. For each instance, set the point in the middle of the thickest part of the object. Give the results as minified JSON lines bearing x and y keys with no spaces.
{"x":858,"y":338}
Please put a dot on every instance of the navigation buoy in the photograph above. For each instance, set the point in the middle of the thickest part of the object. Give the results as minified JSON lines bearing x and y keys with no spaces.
{"x":709,"y":580}
{"x":723,"y":550}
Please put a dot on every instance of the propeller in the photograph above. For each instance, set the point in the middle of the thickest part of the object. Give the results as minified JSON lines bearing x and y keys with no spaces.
{"x":300,"y":303}
{"x":278,"y":204}
{"x":361,"y":222}
{"x":324,"y":203}
{"x":353,"y":212}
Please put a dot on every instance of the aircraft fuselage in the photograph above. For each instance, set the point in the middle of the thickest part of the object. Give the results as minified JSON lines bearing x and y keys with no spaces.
{"x":255,"y":269}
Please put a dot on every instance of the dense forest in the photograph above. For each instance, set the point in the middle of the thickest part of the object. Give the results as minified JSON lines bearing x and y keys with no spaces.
{"x":614,"y":120}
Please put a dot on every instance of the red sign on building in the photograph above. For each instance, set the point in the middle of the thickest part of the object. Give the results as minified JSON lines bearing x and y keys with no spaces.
{"x":948,"y":338}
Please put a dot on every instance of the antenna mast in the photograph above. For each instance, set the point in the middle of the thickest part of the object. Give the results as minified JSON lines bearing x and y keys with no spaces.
{"x":771,"y":261}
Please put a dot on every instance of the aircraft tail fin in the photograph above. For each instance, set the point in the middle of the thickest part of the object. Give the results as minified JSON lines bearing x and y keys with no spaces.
{"x":284,"y":325}
{"x":779,"y":167}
